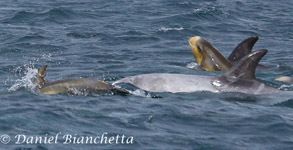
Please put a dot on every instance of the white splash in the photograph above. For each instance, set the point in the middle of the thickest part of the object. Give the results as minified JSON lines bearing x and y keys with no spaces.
{"x":192,"y":65}
{"x":285,"y":87}
{"x":139,"y":92}
{"x":47,"y":56}
{"x":165,"y":29}
{"x":197,"y":10}
{"x":205,"y":10}
{"x":26,"y":81}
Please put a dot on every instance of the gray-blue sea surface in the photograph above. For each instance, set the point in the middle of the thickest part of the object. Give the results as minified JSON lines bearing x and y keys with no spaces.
{"x":109,"y":40}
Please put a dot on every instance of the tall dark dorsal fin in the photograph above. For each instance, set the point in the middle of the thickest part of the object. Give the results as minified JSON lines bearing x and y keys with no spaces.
{"x":245,"y":68}
{"x":40,"y":78}
{"x":243,"y":49}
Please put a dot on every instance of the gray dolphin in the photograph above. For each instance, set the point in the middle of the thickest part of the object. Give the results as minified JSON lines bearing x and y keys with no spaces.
{"x":240,"y":78}
{"x":73,"y":86}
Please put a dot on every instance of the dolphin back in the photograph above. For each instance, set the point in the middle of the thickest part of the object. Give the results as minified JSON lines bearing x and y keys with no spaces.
{"x":79,"y":86}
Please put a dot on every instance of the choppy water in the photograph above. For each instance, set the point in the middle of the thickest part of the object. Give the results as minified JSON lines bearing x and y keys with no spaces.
{"x":114,"y":39}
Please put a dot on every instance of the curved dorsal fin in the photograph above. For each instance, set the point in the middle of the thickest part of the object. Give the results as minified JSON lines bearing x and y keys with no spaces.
{"x":42,"y":71}
{"x":40,"y":78}
{"x":245,"y":68}
{"x":243,"y":49}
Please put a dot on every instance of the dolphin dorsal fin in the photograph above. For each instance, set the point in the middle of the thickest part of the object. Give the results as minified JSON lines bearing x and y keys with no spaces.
{"x":245,"y":68}
{"x":40,"y":78}
{"x":243,"y":49}
{"x":42,"y":71}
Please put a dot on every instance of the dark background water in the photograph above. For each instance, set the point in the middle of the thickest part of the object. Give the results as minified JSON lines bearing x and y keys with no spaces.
{"x":114,"y":39}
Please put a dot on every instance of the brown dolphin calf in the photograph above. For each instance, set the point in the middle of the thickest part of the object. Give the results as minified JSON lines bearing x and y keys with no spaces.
{"x":73,"y":86}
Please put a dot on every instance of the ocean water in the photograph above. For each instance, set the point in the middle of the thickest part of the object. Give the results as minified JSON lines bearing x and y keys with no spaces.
{"x":110,"y":40}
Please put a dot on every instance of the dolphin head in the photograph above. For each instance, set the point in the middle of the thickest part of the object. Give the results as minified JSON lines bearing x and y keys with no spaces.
{"x":207,"y":57}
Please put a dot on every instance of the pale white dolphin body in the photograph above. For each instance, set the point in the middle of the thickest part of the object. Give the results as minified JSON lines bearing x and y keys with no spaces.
{"x":180,"y":83}
{"x":240,"y":78}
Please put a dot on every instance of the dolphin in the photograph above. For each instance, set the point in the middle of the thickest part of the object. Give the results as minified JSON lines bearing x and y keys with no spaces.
{"x":73,"y":86}
{"x":210,"y":59}
{"x":285,"y":79}
{"x":239,"y":78}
